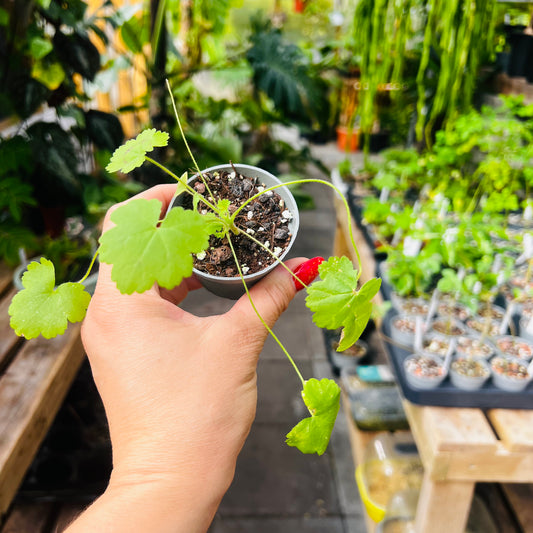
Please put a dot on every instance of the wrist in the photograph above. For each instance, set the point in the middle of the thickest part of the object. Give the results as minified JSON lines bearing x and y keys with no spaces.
{"x":159,"y":503}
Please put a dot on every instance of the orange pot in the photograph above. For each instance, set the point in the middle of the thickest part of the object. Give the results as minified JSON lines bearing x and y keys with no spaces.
{"x":347,"y":140}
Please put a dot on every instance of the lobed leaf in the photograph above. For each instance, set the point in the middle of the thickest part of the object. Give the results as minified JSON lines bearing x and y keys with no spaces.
{"x":337,"y":303}
{"x":41,"y":308}
{"x":132,"y":154}
{"x":144,"y":251}
{"x":312,"y":434}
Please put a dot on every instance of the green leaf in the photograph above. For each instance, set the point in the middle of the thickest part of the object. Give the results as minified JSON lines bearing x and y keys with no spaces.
{"x":312,"y":434}
{"x":40,"y":47}
{"x":337,"y":303}
{"x":182,"y":184}
{"x":133,"y":154}
{"x":50,"y":75}
{"x":42,"y":308}
{"x":144,"y":252}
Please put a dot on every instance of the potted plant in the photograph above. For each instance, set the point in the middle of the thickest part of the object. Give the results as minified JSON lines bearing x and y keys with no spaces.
{"x":190,"y":233}
{"x":509,"y":373}
{"x":424,"y":371}
{"x":469,"y":373}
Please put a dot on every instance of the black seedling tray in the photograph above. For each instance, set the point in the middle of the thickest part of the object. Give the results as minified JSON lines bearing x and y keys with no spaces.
{"x":446,"y":394}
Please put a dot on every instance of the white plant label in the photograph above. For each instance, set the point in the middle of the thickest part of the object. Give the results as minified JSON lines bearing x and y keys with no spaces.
{"x":529,"y":326}
{"x":384,"y":196}
{"x":528,"y":213}
{"x":411,"y":247}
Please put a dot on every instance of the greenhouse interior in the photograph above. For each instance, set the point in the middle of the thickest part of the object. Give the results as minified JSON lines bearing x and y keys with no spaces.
{"x":357,"y":177}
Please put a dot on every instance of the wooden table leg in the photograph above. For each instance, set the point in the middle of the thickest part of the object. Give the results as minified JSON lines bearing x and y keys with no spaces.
{"x":443,"y":506}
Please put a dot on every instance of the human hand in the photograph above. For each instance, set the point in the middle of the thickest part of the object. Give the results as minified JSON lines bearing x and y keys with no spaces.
{"x":179,"y":390}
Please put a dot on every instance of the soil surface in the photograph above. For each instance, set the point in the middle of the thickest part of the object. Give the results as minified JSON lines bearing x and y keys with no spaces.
{"x":266,"y":219}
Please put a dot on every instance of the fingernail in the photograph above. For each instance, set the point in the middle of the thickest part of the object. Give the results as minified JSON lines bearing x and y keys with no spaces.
{"x":307,"y":272}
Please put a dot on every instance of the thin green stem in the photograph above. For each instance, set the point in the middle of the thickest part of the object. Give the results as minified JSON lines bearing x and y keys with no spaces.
{"x":284,"y":350}
{"x":186,"y":185}
{"x":90,"y":266}
{"x":322,"y":182}
{"x":185,"y":139}
{"x":273,"y":255}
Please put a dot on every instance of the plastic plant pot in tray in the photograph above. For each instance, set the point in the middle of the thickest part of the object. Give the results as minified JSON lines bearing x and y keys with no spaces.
{"x":447,"y":394}
{"x":509,"y":373}
{"x":514,"y":347}
{"x":469,"y":374}
{"x":424,"y":371}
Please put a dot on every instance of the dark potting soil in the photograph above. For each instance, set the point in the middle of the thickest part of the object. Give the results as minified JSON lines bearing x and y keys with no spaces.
{"x":266,"y":219}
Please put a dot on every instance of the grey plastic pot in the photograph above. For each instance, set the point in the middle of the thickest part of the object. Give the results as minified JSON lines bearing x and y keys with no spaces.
{"x":233,"y":288}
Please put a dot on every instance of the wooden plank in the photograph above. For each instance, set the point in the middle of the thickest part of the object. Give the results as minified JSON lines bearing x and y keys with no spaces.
{"x":514,"y":427}
{"x":29,"y":518}
{"x":6,"y":277}
{"x":31,"y":391}
{"x":8,"y":338}
{"x":443,"y":507}
{"x":520,"y":497}
{"x":452,"y":428}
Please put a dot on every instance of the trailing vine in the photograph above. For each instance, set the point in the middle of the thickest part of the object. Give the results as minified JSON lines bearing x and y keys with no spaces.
{"x":458,"y":36}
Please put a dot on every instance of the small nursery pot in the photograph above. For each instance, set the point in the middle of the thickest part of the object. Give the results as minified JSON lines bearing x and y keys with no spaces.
{"x":455,"y":310}
{"x":424,"y":371}
{"x":448,"y":327}
{"x":478,"y":324}
{"x":472,"y":346}
{"x":469,"y":374}
{"x":435,"y":344}
{"x":403,"y":329}
{"x":350,"y":357}
{"x":232,"y":287}
{"x":509,"y":373}
{"x":523,"y":330}
{"x":515,"y":347}
{"x":494,"y":311}
{"x":409,"y":306}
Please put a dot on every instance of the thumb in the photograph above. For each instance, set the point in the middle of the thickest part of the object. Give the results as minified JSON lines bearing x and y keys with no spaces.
{"x":272,"y":295}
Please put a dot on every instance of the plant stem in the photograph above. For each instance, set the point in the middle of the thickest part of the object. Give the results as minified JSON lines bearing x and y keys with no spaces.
{"x":86,"y":275}
{"x":185,"y":139}
{"x":291,"y":360}
{"x":186,"y":185}
{"x":322,"y":182}
{"x":272,"y":254}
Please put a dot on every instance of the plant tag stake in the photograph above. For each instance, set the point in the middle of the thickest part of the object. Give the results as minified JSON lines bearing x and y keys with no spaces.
{"x":411,"y":247}
{"x":448,"y":356}
{"x":432,"y":306}
{"x":529,"y":327}
{"x":528,"y":213}
{"x":384,"y":196}
{"x":528,"y":249}
{"x":507,"y":318}
{"x":419,"y":328}
{"x":397,"y":237}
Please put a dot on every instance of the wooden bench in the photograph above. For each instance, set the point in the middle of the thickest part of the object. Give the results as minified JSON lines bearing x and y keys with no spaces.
{"x":459,"y":447}
{"x":35,"y":376}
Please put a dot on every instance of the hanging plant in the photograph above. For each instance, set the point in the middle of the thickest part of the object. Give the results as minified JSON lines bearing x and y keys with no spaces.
{"x":457,"y":37}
